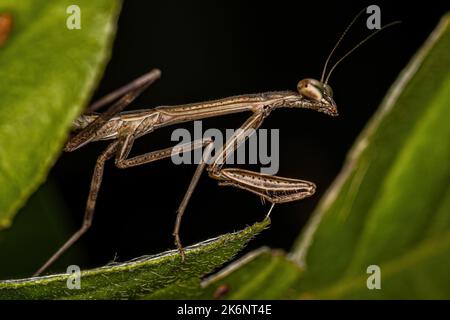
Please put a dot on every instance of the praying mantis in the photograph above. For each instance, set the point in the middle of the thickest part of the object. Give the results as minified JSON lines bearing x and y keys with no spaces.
{"x":123,"y":128}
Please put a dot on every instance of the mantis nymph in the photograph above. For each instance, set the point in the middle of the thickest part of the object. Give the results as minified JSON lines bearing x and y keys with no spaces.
{"x":123,"y":128}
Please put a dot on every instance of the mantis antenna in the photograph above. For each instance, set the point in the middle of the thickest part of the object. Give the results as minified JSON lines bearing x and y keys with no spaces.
{"x":338,"y":42}
{"x":357,"y":46}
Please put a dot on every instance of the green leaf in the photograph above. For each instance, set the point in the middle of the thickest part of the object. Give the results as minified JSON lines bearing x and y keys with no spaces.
{"x":261,"y":274}
{"x":47,"y":74}
{"x":390,"y":205}
{"x":160,"y":276}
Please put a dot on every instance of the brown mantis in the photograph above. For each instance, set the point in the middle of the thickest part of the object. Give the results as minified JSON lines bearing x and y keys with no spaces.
{"x":123,"y":128}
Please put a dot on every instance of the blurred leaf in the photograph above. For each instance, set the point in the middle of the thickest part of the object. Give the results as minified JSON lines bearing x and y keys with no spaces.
{"x":47,"y":74}
{"x":159,"y":276}
{"x":390,"y":206}
{"x":39,"y":228}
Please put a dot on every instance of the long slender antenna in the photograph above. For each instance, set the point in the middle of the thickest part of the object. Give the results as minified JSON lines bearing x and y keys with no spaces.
{"x":357,"y":46}
{"x":339,"y":41}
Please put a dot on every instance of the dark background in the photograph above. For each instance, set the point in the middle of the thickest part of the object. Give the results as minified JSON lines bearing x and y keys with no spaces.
{"x":214,"y":49}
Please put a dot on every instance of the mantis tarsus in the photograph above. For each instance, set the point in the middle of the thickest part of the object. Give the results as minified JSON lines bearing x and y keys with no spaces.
{"x":123,"y":128}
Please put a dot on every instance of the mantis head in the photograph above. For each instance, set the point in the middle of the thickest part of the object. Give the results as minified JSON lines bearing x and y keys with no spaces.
{"x":319,"y":95}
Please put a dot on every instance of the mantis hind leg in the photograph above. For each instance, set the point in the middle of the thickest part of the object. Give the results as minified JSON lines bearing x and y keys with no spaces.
{"x":125,"y":96}
{"x":144,"y":80}
{"x":96,"y":181}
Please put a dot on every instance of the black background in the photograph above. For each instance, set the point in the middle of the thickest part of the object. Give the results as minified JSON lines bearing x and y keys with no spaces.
{"x":214,"y":49}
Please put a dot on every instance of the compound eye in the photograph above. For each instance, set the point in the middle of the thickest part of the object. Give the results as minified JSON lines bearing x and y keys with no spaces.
{"x":328,"y":90}
{"x":310,"y":88}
